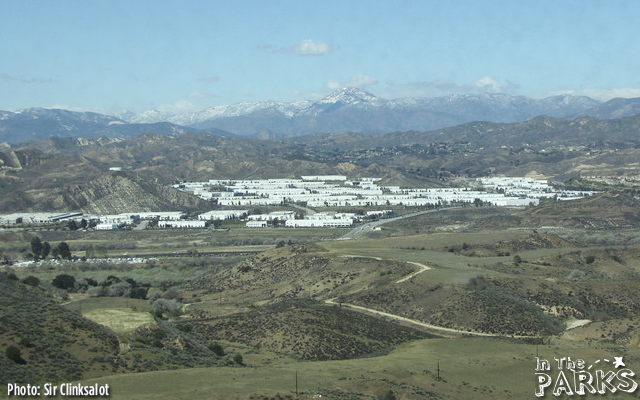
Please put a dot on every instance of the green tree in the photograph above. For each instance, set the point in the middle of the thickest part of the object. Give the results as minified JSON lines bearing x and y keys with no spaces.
{"x":83,"y":223}
{"x":64,"y":281}
{"x":238,"y":359}
{"x":36,"y":247}
{"x":64,"y":251}
{"x":46,"y":249}
{"x":89,"y":252}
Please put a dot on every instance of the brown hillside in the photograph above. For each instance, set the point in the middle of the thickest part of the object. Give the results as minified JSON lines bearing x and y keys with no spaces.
{"x":297,"y":271}
{"x":55,"y":344}
{"x":309,"y":330}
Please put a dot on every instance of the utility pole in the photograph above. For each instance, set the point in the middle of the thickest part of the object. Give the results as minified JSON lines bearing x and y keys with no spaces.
{"x":438,"y":370}
{"x":296,"y":384}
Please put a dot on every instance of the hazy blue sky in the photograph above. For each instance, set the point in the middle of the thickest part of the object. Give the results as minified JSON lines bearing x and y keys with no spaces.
{"x":186,"y":55}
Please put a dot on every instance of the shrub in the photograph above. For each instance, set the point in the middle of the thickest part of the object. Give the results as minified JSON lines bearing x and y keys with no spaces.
{"x":217,"y":349}
{"x":477,"y":283}
{"x":171,"y":307}
{"x":97,"y":291}
{"x":25,"y":341}
{"x":31,"y":280}
{"x":64,"y":281}
{"x":119,"y":289}
{"x":13,"y":354}
{"x":154,"y":294}
{"x":172,"y":294}
{"x":238,"y":359}
{"x":138,"y":293}
{"x":575,"y":275}
{"x":389,"y":396}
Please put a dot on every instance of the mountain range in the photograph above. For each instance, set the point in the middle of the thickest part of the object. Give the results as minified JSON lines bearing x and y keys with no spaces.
{"x":345,"y":110}
{"x":356,"y":110}
{"x":66,"y":174}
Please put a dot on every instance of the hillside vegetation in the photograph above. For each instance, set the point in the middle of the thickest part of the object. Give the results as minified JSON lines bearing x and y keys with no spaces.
{"x":454,"y":303}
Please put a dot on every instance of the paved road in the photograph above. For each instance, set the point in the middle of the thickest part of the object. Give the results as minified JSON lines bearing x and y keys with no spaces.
{"x":306,"y":210}
{"x":358,"y":231}
{"x":142,"y":225}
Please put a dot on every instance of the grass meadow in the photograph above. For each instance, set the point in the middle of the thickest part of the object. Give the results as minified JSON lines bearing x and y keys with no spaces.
{"x":478,"y":368}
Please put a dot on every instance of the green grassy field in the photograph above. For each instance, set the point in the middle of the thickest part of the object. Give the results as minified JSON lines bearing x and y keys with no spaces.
{"x":470,"y":368}
{"x":119,"y":320}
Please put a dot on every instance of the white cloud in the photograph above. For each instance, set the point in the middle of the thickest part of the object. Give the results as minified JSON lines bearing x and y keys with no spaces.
{"x":487,"y":84}
{"x":334,"y":85}
{"x":307,"y":48}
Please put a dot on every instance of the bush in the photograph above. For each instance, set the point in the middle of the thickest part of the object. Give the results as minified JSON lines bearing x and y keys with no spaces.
{"x":31,"y":280}
{"x":97,"y":291}
{"x":138,"y":293}
{"x":389,"y":396}
{"x":119,"y":289}
{"x":25,"y":341}
{"x":13,"y":354}
{"x":238,"y":359}
{"x":64,"y":281}
{"x":164,"y":306}
{"x":154,"y":294}
{"x":217,"y":349}
{"x":172,"y":294}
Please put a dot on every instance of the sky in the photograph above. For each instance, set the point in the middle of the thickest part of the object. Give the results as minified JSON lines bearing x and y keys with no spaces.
{"x":184,"y":56}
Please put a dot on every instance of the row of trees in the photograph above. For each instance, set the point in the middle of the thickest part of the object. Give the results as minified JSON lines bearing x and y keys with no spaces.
{"x":42,"y":250}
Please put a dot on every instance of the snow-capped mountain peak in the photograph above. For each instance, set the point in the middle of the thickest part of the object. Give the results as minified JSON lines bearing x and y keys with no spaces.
{"x":348,"y":95}
{"x":356,"y":110}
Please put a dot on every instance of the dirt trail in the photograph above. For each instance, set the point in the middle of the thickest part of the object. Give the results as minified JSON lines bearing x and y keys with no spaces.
{"x":418,"y":323}
{"x":421,"y":270}
{"x":570,"y":324}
